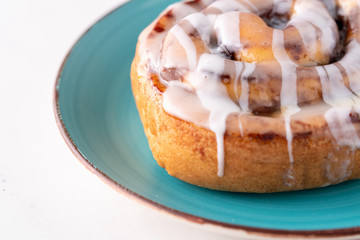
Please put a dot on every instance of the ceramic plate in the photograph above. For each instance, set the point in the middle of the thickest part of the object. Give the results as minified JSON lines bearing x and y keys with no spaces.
{"x":97,"y":115}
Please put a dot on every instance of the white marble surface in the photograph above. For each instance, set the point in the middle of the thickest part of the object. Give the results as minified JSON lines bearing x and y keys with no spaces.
{"x":45,"y":192}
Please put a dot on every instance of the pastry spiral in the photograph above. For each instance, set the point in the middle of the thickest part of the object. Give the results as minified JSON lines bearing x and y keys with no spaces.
{"x":252,"y":95}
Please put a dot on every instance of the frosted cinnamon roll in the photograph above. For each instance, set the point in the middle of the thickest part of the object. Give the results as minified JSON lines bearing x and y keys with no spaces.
{"x":252,"y":95}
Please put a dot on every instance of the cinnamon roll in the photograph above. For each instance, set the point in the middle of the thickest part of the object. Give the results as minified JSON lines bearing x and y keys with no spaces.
{"x":252,"y":95}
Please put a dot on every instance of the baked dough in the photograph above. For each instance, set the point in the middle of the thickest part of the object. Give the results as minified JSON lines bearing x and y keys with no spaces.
{"x":228,"y":102}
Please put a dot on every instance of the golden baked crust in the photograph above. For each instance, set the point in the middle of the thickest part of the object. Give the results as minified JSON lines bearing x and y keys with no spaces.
{"x":254,"y":163}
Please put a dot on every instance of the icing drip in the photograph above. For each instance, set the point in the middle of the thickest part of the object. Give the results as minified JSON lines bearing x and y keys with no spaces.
{"x":242,"y":72}
{"x":239,"y":68}
{"x":227,"y":30}
{"x":214,"y":98}
{"x":187,"y":44}
{"x":244,"y":96}
{"x":307,"y":33}
{"x":288,"y":94}
{"x":313,"y":12}
{"x":180,"y":101}
{"x":229,"y":5}
{"x":151,"y":48}
{"x":340,"y":174}
{"x":350,"y":62}
{"x":342,"y":102}
{"x":203,"y":24}
{"x":341,"y":126}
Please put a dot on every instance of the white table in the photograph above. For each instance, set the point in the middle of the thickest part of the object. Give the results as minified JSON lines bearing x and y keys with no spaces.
{"x":45,"y":192}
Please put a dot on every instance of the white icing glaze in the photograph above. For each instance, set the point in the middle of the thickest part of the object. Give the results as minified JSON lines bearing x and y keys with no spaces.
{"x":244,"y":96}
{"x":339,"y":174}
{"x":203,"y":24}
{"x":282,"y":6}
{"x":341,"y":126}
{"x":307,"y":33}
{"x":252,"y":5}
{"x":229,"y":5}
{"x":227,"y":30}
{"x":351,"y":62}
{"x":337,"y":95}
{"x":151,"y":48}
{"x":239,"y":70}
{"x":288,"y":94}
{"x":187,"y":44}
{"x":180,"y":101}
{"x":315,"y":13}
{"x":214,"y":98}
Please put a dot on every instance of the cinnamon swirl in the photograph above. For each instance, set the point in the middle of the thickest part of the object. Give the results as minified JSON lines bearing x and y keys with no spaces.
{"x":252,"y":95}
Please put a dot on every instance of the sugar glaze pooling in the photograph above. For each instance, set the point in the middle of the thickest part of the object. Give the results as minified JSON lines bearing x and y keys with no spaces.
{"x":199,"y":62}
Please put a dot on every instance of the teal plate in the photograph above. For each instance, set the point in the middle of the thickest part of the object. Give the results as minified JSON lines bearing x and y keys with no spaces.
{"x":97,"y":115}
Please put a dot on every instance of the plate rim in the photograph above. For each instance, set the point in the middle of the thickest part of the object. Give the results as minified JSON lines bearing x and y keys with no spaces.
{"x":254,"y":231}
